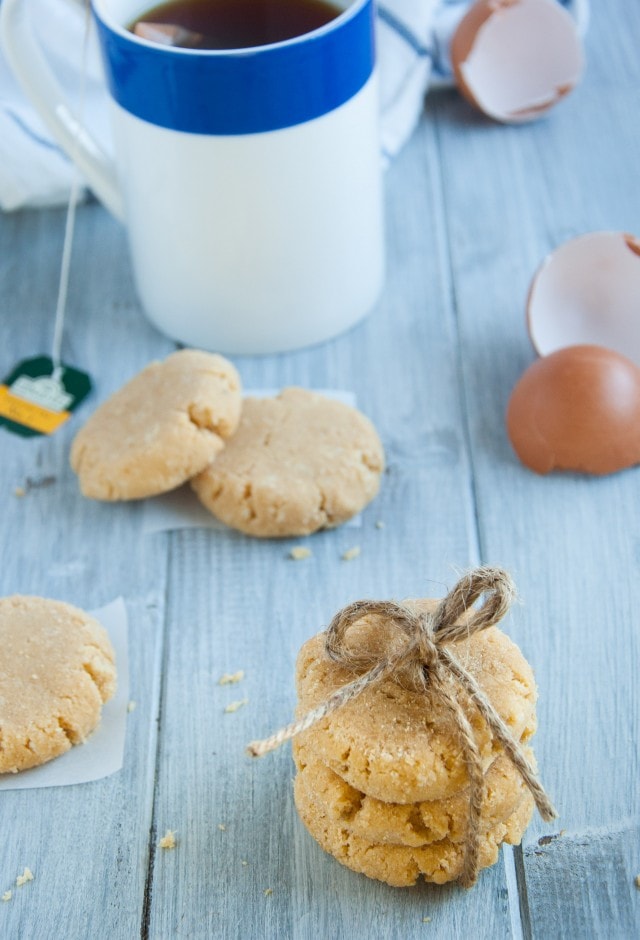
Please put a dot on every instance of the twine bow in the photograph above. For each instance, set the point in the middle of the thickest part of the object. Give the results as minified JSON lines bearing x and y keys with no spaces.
{"x":424,"y":661}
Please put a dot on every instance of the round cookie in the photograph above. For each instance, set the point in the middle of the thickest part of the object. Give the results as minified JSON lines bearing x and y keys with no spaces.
{"x":401,"y":865}
{"x":165,"y":425}
{"x":412,"y":824}
{"x":400,"y":745}
{"x":57,"y":670}
{"x":297,"y":463}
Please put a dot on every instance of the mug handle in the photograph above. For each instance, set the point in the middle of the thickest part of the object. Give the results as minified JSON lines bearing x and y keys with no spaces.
{"x":41,"y":87}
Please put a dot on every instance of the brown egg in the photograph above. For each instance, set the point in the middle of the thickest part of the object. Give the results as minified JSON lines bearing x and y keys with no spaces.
{"x":515,"y":59}
{"x":577,"y":409}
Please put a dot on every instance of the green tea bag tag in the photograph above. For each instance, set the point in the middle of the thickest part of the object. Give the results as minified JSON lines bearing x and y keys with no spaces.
{"x":37,"y":397}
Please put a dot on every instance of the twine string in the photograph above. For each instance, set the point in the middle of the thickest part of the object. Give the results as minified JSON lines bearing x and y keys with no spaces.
{"x":423,"y":661}
{"x":477,"y":786}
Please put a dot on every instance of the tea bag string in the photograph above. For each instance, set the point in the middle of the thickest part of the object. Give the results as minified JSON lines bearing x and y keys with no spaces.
{"x":67,"y":245}
{"x":424,"y":662}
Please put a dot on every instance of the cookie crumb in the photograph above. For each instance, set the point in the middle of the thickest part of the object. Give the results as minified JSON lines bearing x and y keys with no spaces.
{"x":379,"y":524}
{"x":222,"y":827}
{"x":637,"y":881}
{"x":234,"y":706}
{"x":231,"y":678}
{"x":33,"y":484}
{"x":351,"y":553}
{"x":131,"y":707}
{"x":268,"y":892}
{"x":7,"y":895}
{"x":300,"y":552}
{"x":168,"y":841}
{"x":244,"y":862}
{"x":426,"y":920}
{"x":27,"y":875}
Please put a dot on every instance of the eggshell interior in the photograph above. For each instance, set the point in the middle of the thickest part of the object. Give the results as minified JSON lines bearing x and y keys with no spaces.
{"x":588,"y":291}
{"x":515,"y":59}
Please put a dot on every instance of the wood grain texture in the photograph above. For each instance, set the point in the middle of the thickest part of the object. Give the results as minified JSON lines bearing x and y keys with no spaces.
{"x":87,"y":845}
{"x":570,"y":541}
{"x":234,"y":603}
{"x":472,"y":209}
{"x":574,"y":883}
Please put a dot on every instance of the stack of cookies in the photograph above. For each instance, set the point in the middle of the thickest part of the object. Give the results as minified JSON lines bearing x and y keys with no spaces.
{"x":382,"y":783}
{"x":269,"y":467}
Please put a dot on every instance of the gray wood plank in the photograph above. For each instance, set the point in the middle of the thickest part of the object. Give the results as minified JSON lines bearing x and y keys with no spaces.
{"x":570,"y":541}
{"x":87,"y":845}
{"x":473,"y":208}
{"x":578,"y":877}
{"x":236,"y":604}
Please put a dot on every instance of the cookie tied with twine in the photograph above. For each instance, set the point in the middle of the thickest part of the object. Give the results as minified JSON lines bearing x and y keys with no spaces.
{"x":419,"y":655}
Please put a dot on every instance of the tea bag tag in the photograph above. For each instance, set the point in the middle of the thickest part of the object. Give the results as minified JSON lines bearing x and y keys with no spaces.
{"x":37,"y":397}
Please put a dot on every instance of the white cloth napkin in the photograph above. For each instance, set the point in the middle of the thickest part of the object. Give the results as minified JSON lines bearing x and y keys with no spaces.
{"x":413,"y":39}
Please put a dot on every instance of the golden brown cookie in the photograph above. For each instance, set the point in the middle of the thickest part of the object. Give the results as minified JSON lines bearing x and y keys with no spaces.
{"x":400,"y":865}
{"x":165,"y":425}
{"x":400,"y":745}
{"x":57,"y":668}
{"x":297,"y":463}
{"x":412,"y":824}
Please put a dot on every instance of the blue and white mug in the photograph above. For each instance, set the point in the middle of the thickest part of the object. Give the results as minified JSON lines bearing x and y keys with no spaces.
{"x":249,"y":180}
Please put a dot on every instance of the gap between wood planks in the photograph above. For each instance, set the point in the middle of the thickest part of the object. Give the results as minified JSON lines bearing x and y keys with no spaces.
{"x":148,"y":885}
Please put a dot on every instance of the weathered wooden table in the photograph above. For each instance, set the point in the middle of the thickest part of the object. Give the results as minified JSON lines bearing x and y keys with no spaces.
{"x":472,"y":209}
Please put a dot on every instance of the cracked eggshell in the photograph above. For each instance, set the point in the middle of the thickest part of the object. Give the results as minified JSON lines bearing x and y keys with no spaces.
{"x":586,"y":291}
{"x":515,"y":59}
{"x":577,"y":409}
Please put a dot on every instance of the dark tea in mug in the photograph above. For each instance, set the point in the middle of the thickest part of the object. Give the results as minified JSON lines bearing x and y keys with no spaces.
{"x":232,"y":24}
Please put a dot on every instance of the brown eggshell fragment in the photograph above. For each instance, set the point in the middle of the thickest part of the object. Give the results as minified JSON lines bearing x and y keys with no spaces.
{"x":586,"y":291}
{"x":515,"y":59}
{"x":577,"y":409}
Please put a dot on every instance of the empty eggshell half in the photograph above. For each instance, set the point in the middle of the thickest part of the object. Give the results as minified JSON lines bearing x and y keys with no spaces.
{"x":587,"y":291}
{"x":515,"y":59}
{"x":577,"y":409}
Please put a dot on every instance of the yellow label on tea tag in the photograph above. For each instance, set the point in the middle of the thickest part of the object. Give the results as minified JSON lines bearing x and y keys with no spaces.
{"x":28,"y":414}
{"x":38,"y":397}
